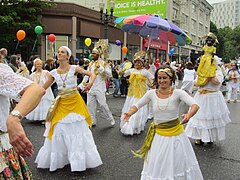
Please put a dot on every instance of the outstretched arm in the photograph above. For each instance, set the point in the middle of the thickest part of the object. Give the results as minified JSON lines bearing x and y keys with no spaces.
{"x":31,"y":96}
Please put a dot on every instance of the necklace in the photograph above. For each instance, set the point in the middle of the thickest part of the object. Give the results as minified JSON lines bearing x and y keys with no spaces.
{"x":163,"y":108}
{"x":63,"y":80}
{"x":38,"y":76}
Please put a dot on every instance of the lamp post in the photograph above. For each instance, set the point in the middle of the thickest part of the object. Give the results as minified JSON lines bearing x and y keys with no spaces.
{"x":106,"y":17}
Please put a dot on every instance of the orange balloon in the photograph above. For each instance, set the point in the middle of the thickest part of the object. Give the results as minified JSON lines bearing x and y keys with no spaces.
{"x":124,"y":49}
{"x":21,"y":35}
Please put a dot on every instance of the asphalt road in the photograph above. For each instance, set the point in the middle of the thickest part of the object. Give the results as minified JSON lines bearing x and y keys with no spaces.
{"x":220,"y":161}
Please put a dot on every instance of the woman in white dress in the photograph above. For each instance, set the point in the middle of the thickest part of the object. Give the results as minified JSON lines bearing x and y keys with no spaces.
{"x":208,"y":124}
{"x":12,"y":164}
{"x":69,"y":139}
{"x":188,"y":78}
{"x":233,"y":76}
{"x":167,"y":151}
{"x":40,"y":76}
{"x":137,"y":88}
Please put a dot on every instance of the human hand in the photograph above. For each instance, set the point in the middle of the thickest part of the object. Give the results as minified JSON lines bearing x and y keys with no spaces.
{"x":18,"y":138}
{"x":87,"y":87}
{"x":185,"y":119}
{"x":126,"y":117}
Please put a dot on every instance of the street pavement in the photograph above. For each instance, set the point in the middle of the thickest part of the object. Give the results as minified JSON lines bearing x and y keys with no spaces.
{"x":220,"y":161}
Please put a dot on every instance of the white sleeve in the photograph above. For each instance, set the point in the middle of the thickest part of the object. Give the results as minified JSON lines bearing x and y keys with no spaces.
{"x":144,"y":100}
{"x":12,"y":84}
{"x":185,"y":97}
{"x":128,"y":72}
{"x":219,"y":75}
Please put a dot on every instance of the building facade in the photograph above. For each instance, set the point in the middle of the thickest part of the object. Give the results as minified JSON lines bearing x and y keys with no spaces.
{"x":226,"y":13}
{"x":193,"y":16}
{"x":72,"y":21}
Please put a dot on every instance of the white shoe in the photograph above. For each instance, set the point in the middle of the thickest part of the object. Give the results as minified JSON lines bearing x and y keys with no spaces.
{"x":112,"y":122}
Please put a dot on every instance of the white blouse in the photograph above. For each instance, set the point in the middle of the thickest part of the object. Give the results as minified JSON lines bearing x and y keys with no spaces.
{"x":11,"y":85}
{"x":165,"y":109}
{"x":68,"y":78}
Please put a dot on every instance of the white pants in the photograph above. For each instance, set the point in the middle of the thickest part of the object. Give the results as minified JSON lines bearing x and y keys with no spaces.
{"x":100,"y":97}
{"x":232,"y":90}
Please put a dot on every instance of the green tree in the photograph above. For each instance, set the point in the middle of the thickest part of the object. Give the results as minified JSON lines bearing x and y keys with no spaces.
{"x":16,"y":15}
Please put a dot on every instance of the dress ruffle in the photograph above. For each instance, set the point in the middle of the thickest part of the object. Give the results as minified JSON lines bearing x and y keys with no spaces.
{"x":171,"y":158}
{"x":72,"y":143}
{"x":137,"y":121}
{"x":12,"y":166}
{"x":208,"y":124}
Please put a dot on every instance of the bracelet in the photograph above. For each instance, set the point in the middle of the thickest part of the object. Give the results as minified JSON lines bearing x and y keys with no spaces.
{"x":17,"y":114}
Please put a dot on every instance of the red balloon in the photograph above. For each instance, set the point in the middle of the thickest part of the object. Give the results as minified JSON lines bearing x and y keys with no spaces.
{"x":124,"y":49}
{"x":51,"y":37}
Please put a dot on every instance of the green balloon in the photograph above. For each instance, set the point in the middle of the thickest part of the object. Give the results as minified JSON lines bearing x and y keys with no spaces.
{"x":38,"y":30}
{"x":90,"y":57}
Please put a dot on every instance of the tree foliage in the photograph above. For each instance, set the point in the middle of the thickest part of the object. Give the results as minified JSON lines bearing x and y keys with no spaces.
{"x":16,"y":15}
{"x":228,"y":47}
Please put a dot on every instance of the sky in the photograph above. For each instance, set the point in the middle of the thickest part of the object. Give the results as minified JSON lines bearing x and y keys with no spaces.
{"x":214,"y":1}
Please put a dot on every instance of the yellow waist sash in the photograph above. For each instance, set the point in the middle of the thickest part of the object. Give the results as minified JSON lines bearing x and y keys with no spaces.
{"x":171,"y":128}
{"x":67,"y":101}
{"x":137,"y":87}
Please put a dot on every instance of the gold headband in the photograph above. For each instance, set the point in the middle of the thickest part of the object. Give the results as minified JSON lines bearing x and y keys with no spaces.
{"x":167,"y":71}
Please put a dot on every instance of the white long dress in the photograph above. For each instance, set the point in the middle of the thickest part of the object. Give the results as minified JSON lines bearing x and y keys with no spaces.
{"x":188,"y":80}
{"x":169,"y":157}
{"x":40,"y":112}
{"x":72,"y":141}
{"x":208,"y":124}
{"x":138,"y":120}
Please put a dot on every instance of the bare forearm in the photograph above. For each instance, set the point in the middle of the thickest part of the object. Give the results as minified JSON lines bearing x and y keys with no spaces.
{"x":193,"y":110}
{"x":30,"y":99}
{"x":132,"y":111}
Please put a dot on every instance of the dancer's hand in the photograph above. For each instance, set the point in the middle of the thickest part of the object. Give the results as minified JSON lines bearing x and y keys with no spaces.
{"x":18,"y":138}
{"x":87,"y":87}
{"x":126,"y":117}
{"x":185,"y":119}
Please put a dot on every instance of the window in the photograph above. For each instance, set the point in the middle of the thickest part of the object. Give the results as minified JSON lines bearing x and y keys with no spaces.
{"x":193,"y":24}
{"x":82,"y":51}
{"x":194,"y":8}
{"x":52,"y":47}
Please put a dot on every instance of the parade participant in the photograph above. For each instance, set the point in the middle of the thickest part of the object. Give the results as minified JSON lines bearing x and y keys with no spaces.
{"x":124,"y":80}
{"x":232,"y":77}
{"x":97,"y":92}
{"x":137,"y":88}
{"x":40,"y":76}
{"x":22,"y":68}
{"x":149,"y":65}
{"x":188,"y":78}
{"x":167,"y":151}
{"x":207,"y":66}
{"x":69,"y":139}
{"x":208,"y":124}
{"x":12,"y":164}
{"x":4,"y":53}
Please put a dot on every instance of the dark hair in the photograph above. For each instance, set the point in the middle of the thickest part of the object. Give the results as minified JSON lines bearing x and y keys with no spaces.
{"x":125,"y":58}
{"x":13,"y":60}
{"x":189,"y":65}
{"x":81,"y":62}
{"x":173,"y":78}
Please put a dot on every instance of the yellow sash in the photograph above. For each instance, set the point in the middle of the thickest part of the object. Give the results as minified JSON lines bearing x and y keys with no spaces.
{"x":171,"y":128}
{"x":67,"y":101}
{"x":137,"y":87}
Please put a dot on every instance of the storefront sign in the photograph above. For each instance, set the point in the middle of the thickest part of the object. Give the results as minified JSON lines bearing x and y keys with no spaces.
{"x":133,"y":7}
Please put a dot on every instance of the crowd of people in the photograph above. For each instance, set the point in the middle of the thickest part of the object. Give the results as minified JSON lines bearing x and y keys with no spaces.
{"x":64,"y":95}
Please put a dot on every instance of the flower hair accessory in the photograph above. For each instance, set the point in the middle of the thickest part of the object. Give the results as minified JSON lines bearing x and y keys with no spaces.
{"x":167,"y":71}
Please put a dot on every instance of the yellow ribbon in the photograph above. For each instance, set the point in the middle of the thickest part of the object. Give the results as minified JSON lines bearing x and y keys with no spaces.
{"x":67,"y":101}
{"x":137,"y":87}
{"x":171,"y":128}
